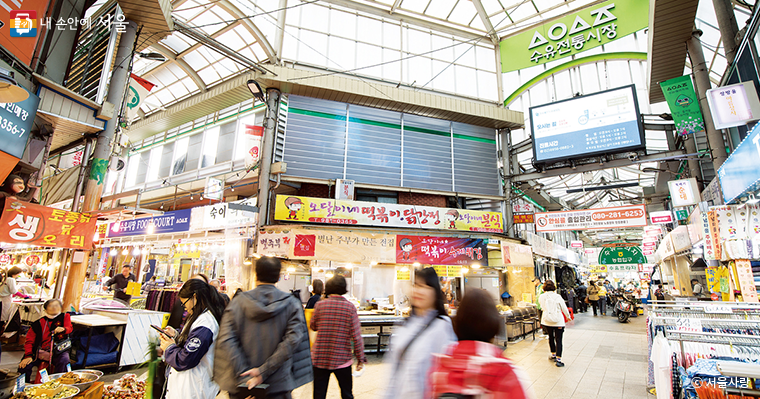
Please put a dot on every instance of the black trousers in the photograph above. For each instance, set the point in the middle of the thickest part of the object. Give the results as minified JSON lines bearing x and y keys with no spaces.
{"x":594,"y":305}
{"x":555,"y":339}
{"x":322,"y":379}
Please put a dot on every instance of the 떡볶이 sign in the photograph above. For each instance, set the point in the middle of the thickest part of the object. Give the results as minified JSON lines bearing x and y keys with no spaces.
{"x":441,"y":250}
{"x":588,"y":219}
{"x":34,"y":224}
{"x":573,"y":33}
{"x":360,"y":213}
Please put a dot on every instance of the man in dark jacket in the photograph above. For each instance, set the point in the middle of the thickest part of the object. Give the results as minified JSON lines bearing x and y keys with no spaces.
{"x":120,"y":282}
{"x":263,"y":339}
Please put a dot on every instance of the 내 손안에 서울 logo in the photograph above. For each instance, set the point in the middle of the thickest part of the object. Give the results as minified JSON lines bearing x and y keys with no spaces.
{"x":23,"y":23}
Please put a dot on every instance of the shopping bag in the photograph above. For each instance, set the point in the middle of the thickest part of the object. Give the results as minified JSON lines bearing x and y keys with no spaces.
{"x":569,"y":320}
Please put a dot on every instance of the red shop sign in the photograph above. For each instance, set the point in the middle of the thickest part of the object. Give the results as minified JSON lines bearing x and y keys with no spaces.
{"x":34,"y":224}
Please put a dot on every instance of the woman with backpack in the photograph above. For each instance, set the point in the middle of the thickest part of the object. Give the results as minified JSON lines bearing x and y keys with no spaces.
{"x":555,"y":314}
{"x":427,"y":331}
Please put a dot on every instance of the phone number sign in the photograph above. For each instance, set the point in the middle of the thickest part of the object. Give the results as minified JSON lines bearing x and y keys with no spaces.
{"x":589,"y":219}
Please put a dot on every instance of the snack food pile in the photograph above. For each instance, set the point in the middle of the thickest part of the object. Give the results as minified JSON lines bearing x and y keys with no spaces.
{"x":43,"y":391}
{"x":128,"y":387}
{"x":71,"y":378}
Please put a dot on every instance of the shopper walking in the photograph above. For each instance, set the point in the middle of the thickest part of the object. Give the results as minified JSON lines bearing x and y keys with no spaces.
{"x":427,"y":331}
{"x":263,"y":338}
{"x":659,"y":294}
{"x":555,"y":313}
{"x":40,"y":350}
{"x":581,"y":294}
{"x":190,"y":354}
{"x":602,"y":300}
{"x":317,"y":288}
{"x":593,"y":296}
{"x":120,"y":282}
{"x":474,"y":367}
{"x":337,"y":324}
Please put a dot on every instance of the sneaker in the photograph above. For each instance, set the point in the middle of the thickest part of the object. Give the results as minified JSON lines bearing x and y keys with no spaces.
{"x":553,"y":358}
{"x":559,"y":364}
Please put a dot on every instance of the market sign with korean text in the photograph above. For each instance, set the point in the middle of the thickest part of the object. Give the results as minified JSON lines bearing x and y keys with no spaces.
{"x":523,"y":208}
{"x":360,"y":213}
{"x":599,"y":269}
{"x":573,"y":33}
{"x":274,"y":243}
{"x":5,"y":259}
{"x":517,"y":255}
{"x":684,"y":105}
{"x":622,"y":268}
{"x":621,"y":256}
{"x":336,"y":246}
{"x":596,"y":218}
{"x":576,"y":244}
{"x":169,"y":222}
{"x":684,"y":192}
{"x":733,"y":105}
{"x":522,"y":218}
{"x":740,"y":173}
{"x":224,"y":215}
{"x":441,"y":250}
{"x":448,"y":270}
{"x":32,"y":224}
{"x":662,"y":217}
{"x":16,"y":122}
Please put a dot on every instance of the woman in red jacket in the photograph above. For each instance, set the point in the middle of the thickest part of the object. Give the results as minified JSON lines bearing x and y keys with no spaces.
{"x":54,"y":326}
{"x":473,"y":367}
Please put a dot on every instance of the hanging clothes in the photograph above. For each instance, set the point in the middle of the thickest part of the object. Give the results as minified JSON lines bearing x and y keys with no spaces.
{"x":661,"y":358}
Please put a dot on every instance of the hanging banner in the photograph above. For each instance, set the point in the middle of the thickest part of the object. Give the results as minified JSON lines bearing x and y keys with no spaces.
{"x":589,"y":219}
{"x":169,"y":222}
{"x":573,"y":33}
{"x":621,"y":255}
{"x":522,"y":218}
{"x":683,"y":104}
{"x":441,"y":250}
{"x":252,"y":143}
{"x":712,"y":219}
{"x":518,"y":255}
{"x":746,"y":281}
{"x":32,"y":224}
{"x":138,"y":90}
{"x":340,"y":246}
{"x":599,"y":269}
{"x":325,"y":210}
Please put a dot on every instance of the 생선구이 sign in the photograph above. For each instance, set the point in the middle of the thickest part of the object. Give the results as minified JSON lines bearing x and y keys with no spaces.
{"x":360,"y":213}
{"x":573,"y":33}
{"x":588,"y":219}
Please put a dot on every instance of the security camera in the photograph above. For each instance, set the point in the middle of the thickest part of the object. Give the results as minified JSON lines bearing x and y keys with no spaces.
{"x":632,"y":156}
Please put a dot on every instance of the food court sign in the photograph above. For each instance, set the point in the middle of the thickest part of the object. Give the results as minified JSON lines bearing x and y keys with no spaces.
{"x":360,"y":213}
{"x":583,"y":30}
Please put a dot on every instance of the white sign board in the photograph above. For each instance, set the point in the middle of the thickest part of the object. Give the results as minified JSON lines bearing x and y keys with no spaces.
{"x":663,"y":217}
{"x":684,"y":192}
{"x":214,"y":189}
{"x":733,"y":105}
{"x":523,"y":208}
{"x":597,"y":218}
{"x":344,"y":189}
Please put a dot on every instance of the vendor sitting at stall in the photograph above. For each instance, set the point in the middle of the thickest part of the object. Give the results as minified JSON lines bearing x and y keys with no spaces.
{"x":44,"y":339}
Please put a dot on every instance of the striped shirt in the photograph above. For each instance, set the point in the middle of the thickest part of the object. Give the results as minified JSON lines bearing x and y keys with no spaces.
{"x":337,"y":324}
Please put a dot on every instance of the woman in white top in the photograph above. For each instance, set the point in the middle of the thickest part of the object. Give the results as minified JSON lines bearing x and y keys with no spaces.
{"x":7,"y":290}
{"x":553,"y":318}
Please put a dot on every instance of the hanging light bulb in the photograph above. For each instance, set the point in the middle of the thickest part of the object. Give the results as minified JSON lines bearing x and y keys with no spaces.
{"x":373,"y":263}
{"x":151,"y":228}
{"x":405,"y":269}
{"x":291,"y":269}
{"x":416,"y":264}
{"x":193,"y":248}
{"x":125,"y":252}
{"x":145,"y":251}
{"x":349,"y":266}
{"x":329,"y":275}
{"x":476,"y":266}
{"x":113,"y":252}
{"x":247,"y":262}
{"x":136,"y":251}
{"x":465,"y":270}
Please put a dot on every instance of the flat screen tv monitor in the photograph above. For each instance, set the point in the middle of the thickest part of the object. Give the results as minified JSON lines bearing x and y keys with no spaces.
{"x":606,"y":122}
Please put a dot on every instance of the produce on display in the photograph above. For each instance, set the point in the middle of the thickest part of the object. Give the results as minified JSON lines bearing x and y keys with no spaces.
{"x":49,"y":390}
{"x":128,"y":387}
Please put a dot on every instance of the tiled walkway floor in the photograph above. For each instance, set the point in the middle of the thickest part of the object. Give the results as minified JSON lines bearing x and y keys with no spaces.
{"x":603,"y":359}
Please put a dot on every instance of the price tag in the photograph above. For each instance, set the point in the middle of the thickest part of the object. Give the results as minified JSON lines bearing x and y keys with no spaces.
{"x":20,"y":383}
{"x":68,"y":367}
{"x":689,"y":325}
{"x":721,"y":309}
{"x":44,"y":377}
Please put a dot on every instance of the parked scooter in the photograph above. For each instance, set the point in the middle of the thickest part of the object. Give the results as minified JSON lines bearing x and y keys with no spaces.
{"x":625,"y":306}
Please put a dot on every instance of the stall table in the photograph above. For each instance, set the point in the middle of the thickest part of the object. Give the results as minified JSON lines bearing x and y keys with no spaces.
{"x":90,"y":321}
{"x":377,"y":327}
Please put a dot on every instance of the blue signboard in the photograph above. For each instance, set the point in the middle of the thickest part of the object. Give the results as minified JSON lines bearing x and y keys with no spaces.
{"x":741,"y":171}
{"x":169,"y":222}
{"x":601,"y":123}
{"x":16,"y":121}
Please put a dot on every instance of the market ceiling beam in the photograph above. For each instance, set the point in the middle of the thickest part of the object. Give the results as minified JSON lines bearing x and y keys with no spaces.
{"x":171,"y":56}
{"x":615,"y":163}
{"x":412,"y":20}
{"x":332,"y":87}
{"x":670,"y":26}
{"x":251,"y":27}
{"x":486,"y":21}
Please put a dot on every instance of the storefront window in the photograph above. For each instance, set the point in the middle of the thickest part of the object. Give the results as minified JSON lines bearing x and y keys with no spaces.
{"x":209,"y":148}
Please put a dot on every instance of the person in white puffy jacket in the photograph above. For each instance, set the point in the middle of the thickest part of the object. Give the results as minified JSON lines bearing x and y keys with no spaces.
{"x":553,"y":319}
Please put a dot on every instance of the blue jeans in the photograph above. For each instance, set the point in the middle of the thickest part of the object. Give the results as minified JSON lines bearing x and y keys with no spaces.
{"x":603,"y":305}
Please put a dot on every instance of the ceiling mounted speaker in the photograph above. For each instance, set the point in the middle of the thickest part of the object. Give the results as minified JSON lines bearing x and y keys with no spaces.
{"x":10,"y":91}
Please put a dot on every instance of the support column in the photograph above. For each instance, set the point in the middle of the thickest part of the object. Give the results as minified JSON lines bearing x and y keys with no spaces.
{"x":724,"y":13}
{"x":101,"y":155}
{"x":702,"y":84}
{"x":690,"y":144}
{"x":270,"y":133}
{"x":506,"y":167}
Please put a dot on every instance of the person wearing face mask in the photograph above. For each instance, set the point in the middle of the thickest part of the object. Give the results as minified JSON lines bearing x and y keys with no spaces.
{"x":427,"y":331}
{"x":51,"y":328}
{"x":190,"y":354}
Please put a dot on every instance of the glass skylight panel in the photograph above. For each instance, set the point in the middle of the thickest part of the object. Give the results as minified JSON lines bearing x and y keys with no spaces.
{"x":209,"y":22}
{"x":492,"y":6}
{"x":522,"y":11}
{"x":369,"y":56}
{"x":178,"y":90}
{"x":232,"y":40}
{"x":391,"y":35}
{"x":209,"y":75}
{"x":441,"y":8}
{"x":342,"y":24}
{"x":189,"y":84}
{"x":486,"y":89}
{"x":467,"y":81}
{"x":312,"y":48}
{"x":369,"y":30}
{"x":417,"y":42}
{"x":446,"y":78}
{"x":178,"y":42}
{"x":342,"y":54}
{"x":463,"y":13}
{"x":392,"y":70}
{"x":417,"y":6}
{"x":314,"y":17}
{"x":163,"y":96}
{"x":196,"y":60}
